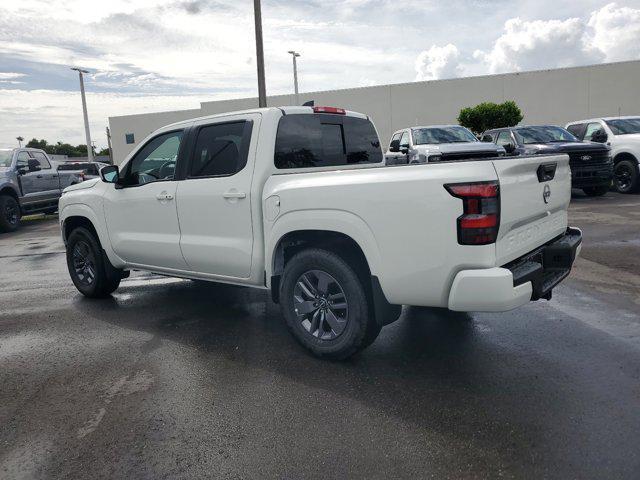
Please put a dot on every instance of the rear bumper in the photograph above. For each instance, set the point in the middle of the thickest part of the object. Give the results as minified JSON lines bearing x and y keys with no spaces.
{"x":527,"y":278}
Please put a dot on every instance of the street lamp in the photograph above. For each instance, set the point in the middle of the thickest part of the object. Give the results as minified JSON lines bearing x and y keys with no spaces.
{"x":20,"y":139}
{"x":295,"y":55}
{"x":84,"y":112}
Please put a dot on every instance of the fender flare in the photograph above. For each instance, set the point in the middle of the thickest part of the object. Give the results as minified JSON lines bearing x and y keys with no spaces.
{"x":82,"y":210}
{"x":339,"y":221}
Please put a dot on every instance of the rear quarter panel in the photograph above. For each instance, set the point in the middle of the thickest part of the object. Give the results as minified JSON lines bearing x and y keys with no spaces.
{"x":402,"y":217}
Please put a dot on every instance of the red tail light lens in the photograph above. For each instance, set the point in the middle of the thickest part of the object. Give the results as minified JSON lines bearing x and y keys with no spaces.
{"x":334,"y":110}
{"x":480,"y":221}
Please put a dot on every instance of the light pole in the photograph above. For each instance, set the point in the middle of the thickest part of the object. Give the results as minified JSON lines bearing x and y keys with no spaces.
{"x":262,"y":89}
{"x":84,"y":112}
{"x":20,"y":139}
{"x":295,"y":55}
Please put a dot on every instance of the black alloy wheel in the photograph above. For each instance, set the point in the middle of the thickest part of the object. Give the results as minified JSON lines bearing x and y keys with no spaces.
{"x":320,"y":304}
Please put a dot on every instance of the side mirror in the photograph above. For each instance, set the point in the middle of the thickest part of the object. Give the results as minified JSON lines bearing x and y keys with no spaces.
{"x":599,"y":136}
{"x":394,"y":146}
{"x":110,"y":174}
{"x":509,"y":147}
{"x":33,"y":165}
{"x":404,"y":149}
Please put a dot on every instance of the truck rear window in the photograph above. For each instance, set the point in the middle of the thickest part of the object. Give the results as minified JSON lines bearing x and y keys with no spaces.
{"x":322,"y":140}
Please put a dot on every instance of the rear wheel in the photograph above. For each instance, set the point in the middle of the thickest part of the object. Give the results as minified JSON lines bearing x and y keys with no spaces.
{"x":325,"y":306}
{"x":89,"y":268}
{"x":596,"y":191}
{"x":625,"y":176}
{"x":9,"y":213}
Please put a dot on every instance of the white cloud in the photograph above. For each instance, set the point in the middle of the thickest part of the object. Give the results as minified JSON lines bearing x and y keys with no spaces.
{"x":438,"y":62}
{"x":615,"y":31}
{"x":10,"y":75}
{"x":609,"y":34}
{"x":539,"y":44}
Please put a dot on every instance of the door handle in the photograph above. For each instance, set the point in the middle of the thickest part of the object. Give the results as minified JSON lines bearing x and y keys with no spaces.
{"x":164,"y":196}
{"x":234,"y":194}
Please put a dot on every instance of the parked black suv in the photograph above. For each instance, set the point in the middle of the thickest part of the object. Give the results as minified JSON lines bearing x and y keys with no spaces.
{"x":591,"y":164}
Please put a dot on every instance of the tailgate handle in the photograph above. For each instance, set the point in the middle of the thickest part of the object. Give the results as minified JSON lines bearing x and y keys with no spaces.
{"x":546,"y":172}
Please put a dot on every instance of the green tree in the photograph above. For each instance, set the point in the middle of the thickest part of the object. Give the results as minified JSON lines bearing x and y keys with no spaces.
{"x":41,"y":144}
{"x":488,"y":115}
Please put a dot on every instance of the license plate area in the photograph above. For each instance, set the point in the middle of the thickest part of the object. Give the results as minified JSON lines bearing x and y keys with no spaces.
{"x":548,"y":265}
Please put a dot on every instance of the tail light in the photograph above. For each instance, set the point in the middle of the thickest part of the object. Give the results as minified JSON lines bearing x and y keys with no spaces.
{"x":334,"y":110}
{"x":480,"y":221}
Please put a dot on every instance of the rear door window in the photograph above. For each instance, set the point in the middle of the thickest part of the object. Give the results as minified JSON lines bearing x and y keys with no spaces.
{"x":221,"y":149}
{"x":322,"y":140}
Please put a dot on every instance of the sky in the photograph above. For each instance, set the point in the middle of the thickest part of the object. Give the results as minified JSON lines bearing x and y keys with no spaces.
{"x":158,"y":55}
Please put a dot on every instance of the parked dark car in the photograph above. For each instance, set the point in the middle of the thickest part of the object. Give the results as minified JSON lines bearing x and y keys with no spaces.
{"x":591,"y":163}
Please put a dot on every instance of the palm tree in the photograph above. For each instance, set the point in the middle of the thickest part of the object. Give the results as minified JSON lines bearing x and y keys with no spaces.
{"x":20,"y":139}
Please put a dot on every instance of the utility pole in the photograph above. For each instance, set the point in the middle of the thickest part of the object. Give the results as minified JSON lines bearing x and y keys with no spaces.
{"x":295,"y":55}
{"x":262,"y":89}
{"x":84,"y":112}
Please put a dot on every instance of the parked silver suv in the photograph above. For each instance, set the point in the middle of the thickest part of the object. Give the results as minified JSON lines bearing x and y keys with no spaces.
{"x":437,"y":143}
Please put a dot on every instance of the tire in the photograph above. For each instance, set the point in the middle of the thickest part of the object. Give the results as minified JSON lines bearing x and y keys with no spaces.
{"x":344,"y":300}
{"x":9,"y":214}
{"x":598,"y":191}
{"x":625,"y":176}
{"x":89,"y":268}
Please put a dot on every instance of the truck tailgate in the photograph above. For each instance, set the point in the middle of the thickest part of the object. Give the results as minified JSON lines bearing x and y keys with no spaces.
{"x":534,"y":197}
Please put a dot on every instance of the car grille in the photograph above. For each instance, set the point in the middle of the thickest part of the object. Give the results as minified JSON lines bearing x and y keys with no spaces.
{"x":579,"y":159}
{"x":467,"y":155}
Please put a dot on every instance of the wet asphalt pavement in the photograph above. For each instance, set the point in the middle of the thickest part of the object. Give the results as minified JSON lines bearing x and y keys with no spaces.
{"x":171,"y":379}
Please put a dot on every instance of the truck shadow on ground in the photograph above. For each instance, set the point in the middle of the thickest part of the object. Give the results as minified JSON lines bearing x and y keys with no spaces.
{"x":432,"y":367}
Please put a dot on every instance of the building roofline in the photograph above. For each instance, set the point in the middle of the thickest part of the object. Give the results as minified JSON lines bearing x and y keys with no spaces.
{"x":400,"y":84}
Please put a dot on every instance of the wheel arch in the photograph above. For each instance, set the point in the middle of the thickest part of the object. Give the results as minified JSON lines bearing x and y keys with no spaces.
{"x":340,"y":232}
{"x":624,"y":156}
{"x":324,"y":227}
{"x":80,"y":215}
{"x":8,"y":190}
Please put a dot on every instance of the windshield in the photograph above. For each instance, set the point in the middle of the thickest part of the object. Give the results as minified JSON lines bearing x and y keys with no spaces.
{"x":528,"y":135}
{"x":624,"y":126}
{"x":435,"y":135}
{"x":5,"y":158}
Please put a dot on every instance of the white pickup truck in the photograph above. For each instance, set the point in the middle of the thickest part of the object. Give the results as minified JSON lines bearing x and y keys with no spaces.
{"x":297,"y":200}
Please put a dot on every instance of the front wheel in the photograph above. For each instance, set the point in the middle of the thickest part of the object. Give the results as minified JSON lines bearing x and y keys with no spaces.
{"x":325,"y":306}
{"x":596,"y":191}
{"x":89,"y":268}
{"x":9,"y":214}
{"x":625,"y":176}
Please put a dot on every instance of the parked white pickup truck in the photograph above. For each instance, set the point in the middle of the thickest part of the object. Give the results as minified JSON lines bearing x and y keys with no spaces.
{"x":297,"y":200}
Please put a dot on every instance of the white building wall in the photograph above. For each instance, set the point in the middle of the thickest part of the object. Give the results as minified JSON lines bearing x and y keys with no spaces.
{"x":545,"y":97}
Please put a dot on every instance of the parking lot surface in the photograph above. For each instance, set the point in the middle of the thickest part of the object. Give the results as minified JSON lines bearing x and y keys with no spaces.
{"x":173,"y":379}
